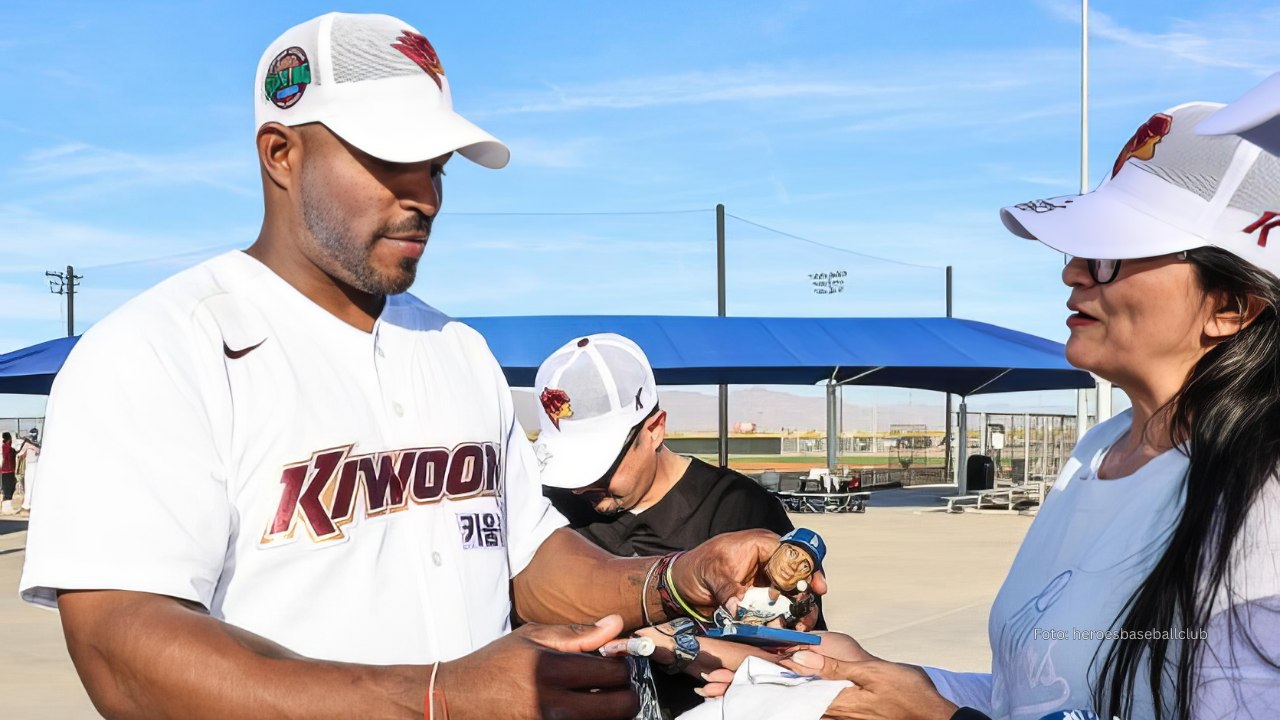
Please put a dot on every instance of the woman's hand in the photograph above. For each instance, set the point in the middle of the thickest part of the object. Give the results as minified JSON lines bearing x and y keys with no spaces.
{"x":713,"y":654}
{"x":837,"y":646}
{"x":881,"y":690}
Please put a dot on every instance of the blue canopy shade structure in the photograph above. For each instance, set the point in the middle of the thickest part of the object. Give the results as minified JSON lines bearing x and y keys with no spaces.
{"x":962,"y":357}
{"x":30,"y":371}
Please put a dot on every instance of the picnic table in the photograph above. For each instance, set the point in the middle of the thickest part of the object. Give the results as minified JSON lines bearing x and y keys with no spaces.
{"x":811,"y":502}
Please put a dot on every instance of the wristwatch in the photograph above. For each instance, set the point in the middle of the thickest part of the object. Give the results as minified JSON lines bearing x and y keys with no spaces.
{"x":686,"y":651}
{"x":684,"y":632}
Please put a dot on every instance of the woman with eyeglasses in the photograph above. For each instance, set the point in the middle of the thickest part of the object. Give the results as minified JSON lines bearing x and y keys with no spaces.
{"x":1149,"y":584}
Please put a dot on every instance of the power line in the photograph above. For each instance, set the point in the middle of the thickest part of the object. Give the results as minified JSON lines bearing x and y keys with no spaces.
{"x":832,"y":247}
{"x":578,"y":214}
{"x":176,"y":256}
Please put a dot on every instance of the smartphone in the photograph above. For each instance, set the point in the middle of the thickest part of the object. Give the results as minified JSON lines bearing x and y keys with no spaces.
{"x":761,"y":636}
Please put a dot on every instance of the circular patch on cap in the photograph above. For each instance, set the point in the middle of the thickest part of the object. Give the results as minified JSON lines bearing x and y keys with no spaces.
{"x":287,"y":78}
{"x":583,"y":342}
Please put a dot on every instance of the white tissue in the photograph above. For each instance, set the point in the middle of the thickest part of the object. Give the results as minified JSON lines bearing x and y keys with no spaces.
{"x":762,"y":690}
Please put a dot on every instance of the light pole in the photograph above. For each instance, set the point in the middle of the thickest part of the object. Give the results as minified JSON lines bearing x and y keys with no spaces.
{"x":1082,"y":396}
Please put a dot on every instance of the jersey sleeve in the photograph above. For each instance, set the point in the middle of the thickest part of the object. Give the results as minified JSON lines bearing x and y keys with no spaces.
{"x":132,"y":489}
{"x":531,"y":518}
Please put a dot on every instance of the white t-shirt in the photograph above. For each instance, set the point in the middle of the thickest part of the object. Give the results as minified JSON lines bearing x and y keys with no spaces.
{"x":1091,"y":545}
{"x":352,"y":496}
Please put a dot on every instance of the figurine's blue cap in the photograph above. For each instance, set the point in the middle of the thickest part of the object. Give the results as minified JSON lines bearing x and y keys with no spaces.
{"x":809,"y":541}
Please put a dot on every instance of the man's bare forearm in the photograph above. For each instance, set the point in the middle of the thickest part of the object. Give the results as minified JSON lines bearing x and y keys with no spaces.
{"x":571,"y":580}
{"x":150,"y":656}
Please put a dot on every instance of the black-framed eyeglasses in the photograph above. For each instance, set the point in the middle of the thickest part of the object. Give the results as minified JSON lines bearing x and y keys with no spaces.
{"x":1105,"y":271}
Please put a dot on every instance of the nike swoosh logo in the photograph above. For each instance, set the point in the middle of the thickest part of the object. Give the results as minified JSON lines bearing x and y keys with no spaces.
{"x":237,"y":354}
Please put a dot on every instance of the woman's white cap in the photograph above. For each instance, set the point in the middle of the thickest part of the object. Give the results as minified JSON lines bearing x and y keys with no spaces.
{"x":1170,"y":189}
{"x":1254,"y":117}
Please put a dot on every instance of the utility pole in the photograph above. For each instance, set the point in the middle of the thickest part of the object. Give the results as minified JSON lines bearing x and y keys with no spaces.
{"x":65,"y":284}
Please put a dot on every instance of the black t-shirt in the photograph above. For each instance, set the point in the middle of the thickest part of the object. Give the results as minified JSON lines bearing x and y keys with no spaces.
{"x":707,"y":501}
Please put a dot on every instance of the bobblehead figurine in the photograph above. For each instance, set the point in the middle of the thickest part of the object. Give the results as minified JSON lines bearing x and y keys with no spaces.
{"x":790,"y":568}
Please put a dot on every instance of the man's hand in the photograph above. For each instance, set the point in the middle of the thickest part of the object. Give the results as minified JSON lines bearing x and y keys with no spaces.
{"x":882,"y":690}
{"x":727,"y":565}
{"x":540,"y":671}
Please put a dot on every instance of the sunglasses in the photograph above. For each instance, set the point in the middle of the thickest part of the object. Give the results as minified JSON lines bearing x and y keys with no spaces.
{"x":1105,"y":271}
{"x":602,"y":485}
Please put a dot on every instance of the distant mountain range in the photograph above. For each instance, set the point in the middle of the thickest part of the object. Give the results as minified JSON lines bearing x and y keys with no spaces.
{"x":773,"y":410}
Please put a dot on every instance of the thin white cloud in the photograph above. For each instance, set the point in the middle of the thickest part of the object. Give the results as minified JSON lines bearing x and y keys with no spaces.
{"x":34,"y":242}
{"x":67,"y":165}
{"x":1241,"y":40}
{"x":29,"y":300}
{"x":548,"y":153}
{"x":701,"y":87}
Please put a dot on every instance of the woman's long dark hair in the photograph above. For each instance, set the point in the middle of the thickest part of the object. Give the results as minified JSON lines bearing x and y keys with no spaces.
{"x":1226,"y":418}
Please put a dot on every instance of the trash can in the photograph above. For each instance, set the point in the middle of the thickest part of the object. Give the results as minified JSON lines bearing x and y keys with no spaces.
{"x":980,"y":473}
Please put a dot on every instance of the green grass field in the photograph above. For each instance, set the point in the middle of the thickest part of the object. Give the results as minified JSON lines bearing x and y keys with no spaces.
{"x":820,"y":460}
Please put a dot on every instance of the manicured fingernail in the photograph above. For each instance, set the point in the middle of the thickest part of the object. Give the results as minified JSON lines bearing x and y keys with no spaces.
{"x":704,"y":677}
{"x":700,"y":691}
{"x":808,"y":659}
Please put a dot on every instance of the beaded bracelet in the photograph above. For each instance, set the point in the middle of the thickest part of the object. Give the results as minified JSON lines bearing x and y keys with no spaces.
{"x":675,"y":593}
{"x":672,"y":604}
{"x":644,"y":592}
{"x":670,"y":607}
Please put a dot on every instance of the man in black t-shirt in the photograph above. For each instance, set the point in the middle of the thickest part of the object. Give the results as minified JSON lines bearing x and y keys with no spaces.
{"x":605,"y":466}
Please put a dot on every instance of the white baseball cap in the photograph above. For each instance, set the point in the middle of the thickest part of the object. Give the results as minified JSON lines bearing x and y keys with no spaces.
{"x":593,"y":391}
{"x":1170,"y":189}
{"x":1254,"y":117}
{"x":374,"y":81}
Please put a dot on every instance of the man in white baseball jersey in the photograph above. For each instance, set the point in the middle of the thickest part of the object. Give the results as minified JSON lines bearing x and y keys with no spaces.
{"x":336,"y":505}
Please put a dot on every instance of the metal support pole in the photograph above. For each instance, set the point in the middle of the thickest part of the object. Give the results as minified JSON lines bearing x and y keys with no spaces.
{"x":1026,"y":447}
{"x":962,"y":446}
{"x":833,"y":437}
{"x":946,"y":435}
{"x":1082,"y":413}
{"x":1104,"y":400}
{"x":720,"y":312}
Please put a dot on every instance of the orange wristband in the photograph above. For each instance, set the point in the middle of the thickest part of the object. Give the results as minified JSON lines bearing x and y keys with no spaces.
{"x":429,"y":712}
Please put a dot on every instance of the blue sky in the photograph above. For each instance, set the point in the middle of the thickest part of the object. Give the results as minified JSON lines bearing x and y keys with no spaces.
{"x":894,"y":130}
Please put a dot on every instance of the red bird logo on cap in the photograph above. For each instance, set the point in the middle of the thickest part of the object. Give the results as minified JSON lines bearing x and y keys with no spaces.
{"x":418,"y":49}
{"x":1143,"y":143}
{"x":555,"y":403}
